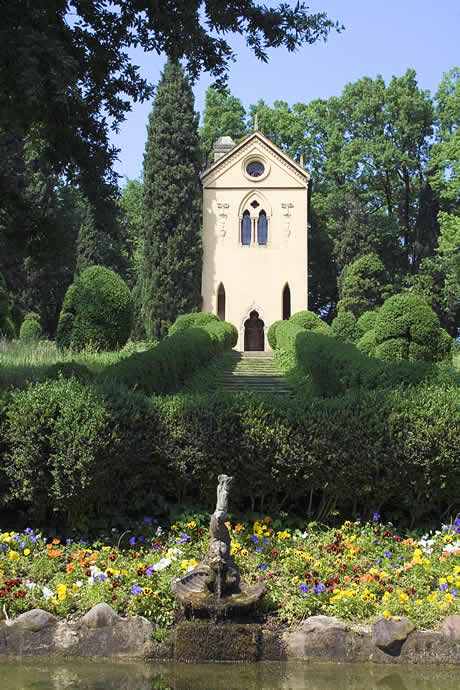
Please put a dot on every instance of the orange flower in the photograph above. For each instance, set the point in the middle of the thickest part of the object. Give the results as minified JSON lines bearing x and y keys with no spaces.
{"x":48,"y":546}
{"x":356,"y":549}
{"x":228,"y":526}
{"x":238,"y":528}
{"x":267,"y":519}
{"x":367,"y":578}
{"x":347,"y":579}
{"x":56,"y":541}
{"x":70,"y":567}
{"x":54,"y":553}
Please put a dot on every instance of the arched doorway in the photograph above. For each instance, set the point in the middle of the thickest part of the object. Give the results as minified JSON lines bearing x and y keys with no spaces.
{"x":286,"y":302}
{"x":221,"y":302}
{"x":254,"y":333}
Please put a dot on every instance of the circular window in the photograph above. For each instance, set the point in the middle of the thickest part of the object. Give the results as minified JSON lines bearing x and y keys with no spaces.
{"x":255,"y":169}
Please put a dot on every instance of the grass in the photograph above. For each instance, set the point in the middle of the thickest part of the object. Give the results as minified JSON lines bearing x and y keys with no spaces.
{"x":24,"y":362}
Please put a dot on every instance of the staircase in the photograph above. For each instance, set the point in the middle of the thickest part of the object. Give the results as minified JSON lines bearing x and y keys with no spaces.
{"x":254,"y":372}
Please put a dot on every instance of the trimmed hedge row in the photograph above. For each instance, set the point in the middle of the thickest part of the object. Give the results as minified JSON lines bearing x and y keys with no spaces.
{"x":79,"y":450}
{"x":165,"y":366}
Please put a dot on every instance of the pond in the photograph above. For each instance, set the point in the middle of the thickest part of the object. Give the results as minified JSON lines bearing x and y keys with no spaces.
{"x":42,"y":675}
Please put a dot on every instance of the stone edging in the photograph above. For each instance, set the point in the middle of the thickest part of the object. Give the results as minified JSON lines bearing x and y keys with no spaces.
{"x":102,"y":633}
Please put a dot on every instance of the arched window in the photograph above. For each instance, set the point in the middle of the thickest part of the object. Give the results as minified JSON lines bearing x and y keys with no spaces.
{"x":262,"y":228}
{"x":246,"y":228}
{"x":286,"y":302}
{"x":221,"y":302}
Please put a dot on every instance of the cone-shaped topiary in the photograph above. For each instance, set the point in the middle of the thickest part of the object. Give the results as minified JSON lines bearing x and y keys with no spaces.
{"x":31,"y":328}
{"x":97,"y":311}
{"x":344,"y":327}
{"x":407,"y":328}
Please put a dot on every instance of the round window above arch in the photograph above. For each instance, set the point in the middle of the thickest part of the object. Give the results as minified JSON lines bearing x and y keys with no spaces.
{"x":255,"y":168}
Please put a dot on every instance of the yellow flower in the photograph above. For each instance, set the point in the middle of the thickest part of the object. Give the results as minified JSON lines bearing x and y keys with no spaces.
{"x":174,"y":528}
{"x":106,"y":548}
{"x":54,"y":601}
{"x":406,"y":607}
{"x":387,"y":615}
{"x":191,"y":525}
{"x":193,"y":562}
{"x":419,"y":602}
{"x":27,"y":551}
{"x":75,"y":587}
{"x":450,"y":578}
{"x":449,"y":597}
{"x":184,"y":564}
{"x":147,"y":591}
{"x":244,"y":553}
{"x":448,"y":538}
{"x":13,"y":555}
{"x":431,"y":597}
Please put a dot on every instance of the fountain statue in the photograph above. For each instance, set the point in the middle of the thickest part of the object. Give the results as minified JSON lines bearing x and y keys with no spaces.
{"x":214,"y":588}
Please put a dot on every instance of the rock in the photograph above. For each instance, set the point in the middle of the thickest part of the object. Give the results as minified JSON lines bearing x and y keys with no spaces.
{"x":318,"y":637}
{"x":390,"y":635}
{"x":33,"y":620}
{"x":451,"y":628}
{"x":100,"y":616}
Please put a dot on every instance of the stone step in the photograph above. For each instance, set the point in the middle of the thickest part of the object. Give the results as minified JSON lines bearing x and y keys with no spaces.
{"x":256,"y":372}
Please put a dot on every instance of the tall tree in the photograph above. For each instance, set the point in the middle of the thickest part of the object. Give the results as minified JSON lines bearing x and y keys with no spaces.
{"x":171,"y":277}
{"x":224,"y":115}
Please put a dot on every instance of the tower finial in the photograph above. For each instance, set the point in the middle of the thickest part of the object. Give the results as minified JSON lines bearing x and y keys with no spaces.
{"x":256,"y":122}
{"x":301,"y":160}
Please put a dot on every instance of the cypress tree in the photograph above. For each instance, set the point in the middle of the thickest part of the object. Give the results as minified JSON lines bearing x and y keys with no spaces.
{"x":171,"y":275}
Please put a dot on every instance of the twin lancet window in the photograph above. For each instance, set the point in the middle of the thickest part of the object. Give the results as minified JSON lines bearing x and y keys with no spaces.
{"x":254,"y":228}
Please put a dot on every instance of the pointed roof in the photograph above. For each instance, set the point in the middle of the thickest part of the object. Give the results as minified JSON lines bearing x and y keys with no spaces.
{"x":256,"y":135}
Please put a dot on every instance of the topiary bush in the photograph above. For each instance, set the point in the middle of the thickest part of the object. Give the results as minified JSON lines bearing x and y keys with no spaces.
{"x":7,"y":329}
{"x":365,"y":285}
{"x":165,"y":367}
{"x":97,"y":311}
{"x":31,"y":328}
{"x":365,"y":323}
{"x":185,"y":321}
{"x":344,"y":327}
{"x":407,"y":328}
{"x":366,"y":344}
{"x":445,"y":347}
{"x":310,"y":322}
{"x":271,"y":335}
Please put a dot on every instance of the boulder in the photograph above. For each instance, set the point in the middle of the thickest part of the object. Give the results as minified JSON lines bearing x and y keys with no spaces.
{"x":100,"y":616}
{"x":390,"y":635}
{"x":33,"y":620}
{"x":318,"y":637}
{"x":451,"y":628}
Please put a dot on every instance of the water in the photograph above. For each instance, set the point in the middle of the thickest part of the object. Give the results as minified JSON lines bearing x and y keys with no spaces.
{"x":42,"y":675}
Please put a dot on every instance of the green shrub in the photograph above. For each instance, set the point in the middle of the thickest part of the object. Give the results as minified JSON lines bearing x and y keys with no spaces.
{"x":407,"y":328}
{"x":196,"y":319}
{"x":31,"y":328}
{"x":445,"y":347}
{"x":365,"y":285}
{"x":163,"y":368}
{"x":310,"y":322}
{"x":7,"y":329}
{"x":366,"y":344}
{"x":344,"y":327}
{"x":365,"y":323}
{"x":97,"y":311}
{"x":271,"y":335}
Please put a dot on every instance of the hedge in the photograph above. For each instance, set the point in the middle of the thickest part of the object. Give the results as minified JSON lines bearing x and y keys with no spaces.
{"x":185,"y":321}
{"x":76,"y":450}
{"x":31,"y":328}
{"x":162,"y":368}
{"x":310,"y":321}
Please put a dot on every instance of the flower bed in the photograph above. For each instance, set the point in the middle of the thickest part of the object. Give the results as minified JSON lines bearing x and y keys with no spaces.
{"x":356,"y":572}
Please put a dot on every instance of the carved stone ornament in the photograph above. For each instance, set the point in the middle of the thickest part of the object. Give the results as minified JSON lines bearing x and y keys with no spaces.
{"x":214,"y":588}
{"x":287,"y":218}
{"x":222,"y":209}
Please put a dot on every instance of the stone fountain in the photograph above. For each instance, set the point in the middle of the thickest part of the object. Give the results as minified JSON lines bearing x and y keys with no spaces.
{"x":214,"y":589}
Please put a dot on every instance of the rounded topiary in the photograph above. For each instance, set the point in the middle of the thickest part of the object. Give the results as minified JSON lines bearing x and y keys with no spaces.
{"x":344,"y":327}
{"x":407,"y":328}
{"x":31,"y":328}
{"x":193,"y":320}
{"x":366,"y":344}
{"x":310,"y":322}
{"x":97,"y":311}
{"x":445,"y":346}
{"x":271,"y":335}
{"x":365,"y":323}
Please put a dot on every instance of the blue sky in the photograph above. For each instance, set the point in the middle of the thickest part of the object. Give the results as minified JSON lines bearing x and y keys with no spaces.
{"x":381,"y":37}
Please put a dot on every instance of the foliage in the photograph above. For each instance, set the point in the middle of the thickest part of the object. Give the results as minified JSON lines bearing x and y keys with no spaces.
{"x":7,"y":329}
{"x":196,"y":319}
{"x":367,"y":343}
{"x":365,"y":285}
{"x":406,"y":328}
{"x":271,"y":335}
{"x":344,"y":327}
{"x":170,"y":283}
{"x":310,"y":322}
{"x":224,"y":115}
{"x":366,"y":322}
{"x":31,"y":328}
{"x":97,"y":311}
{"x":163,"y":368}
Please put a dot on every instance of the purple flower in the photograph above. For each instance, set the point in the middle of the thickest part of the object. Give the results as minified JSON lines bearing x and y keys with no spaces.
{"x":262,"y":566}
{"x":16,"y":537}
{"x":375,"y":516}
{"x":376,"y":541}
{"x":68,"y":541}
{"x":33,"y":538}
{"x":319,"y":588}
{"x":265,"y":540}
{"x":28,"y":531}
{"x":155,"y":548}
{"x":135,"y":589}
{"x":22,"y":545}
{"x":259,"y":549}
{"x":255,"y":539}
{"x":132,"y":541}
{"x":149,"y":571}
{"x":444,"y":587}
{"x":454,"y":592}
{"x":387,"y":554}
{"x":378,"y":560}
{"x":304,"y":588}
{"x":185,"y":538}
{"x":148,"y":520}
{"x":4,"y":547}
{"x":141,"y":538}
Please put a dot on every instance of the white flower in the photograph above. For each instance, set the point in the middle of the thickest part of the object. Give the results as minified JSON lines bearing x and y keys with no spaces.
{"x":162,"y":564}
{"x":47,"y":593}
